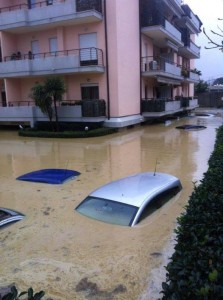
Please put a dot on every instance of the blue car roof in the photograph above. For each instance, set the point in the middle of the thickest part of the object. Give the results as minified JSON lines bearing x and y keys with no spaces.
{"x":53,"y":176}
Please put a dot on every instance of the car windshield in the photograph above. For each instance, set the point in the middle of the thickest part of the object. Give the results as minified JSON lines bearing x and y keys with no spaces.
{"x":3,"y":215}
{"x":108,"y":211}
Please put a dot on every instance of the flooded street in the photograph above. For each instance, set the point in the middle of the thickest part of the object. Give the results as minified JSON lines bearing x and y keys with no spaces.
{"x":70,"y":256}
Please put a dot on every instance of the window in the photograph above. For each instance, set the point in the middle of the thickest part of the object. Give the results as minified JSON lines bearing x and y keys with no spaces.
{"x":158,"y":202}
{"x":88,"y":51}
{"x":90,"y":92}
{"x":32,"y":3}
{"x":53,"y":46}
{"x":35,"y":48}
{"x":49,"y":2}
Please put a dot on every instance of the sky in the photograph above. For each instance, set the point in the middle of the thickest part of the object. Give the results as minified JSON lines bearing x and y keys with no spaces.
{"x":211,"y":61}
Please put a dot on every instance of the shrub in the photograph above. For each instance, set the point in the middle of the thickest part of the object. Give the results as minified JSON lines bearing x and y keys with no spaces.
{"x":195,"y":270}
{"x":67,"y":134}
{"x":15,"y":295}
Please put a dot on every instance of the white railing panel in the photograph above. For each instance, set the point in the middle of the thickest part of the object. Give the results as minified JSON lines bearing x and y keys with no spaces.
{"x":172,"y":69}
{"x":172,"y":30}
{"x":194,"y":76}
{"x":172,"y":105}
{"x":195,"y":48}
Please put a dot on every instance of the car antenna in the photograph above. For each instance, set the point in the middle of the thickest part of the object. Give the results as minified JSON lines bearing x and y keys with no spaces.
{"x":65,"y":173}
{"x":154,"y":174}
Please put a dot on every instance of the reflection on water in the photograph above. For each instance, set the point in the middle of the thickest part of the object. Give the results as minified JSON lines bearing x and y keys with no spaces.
{"x":74,"y":257}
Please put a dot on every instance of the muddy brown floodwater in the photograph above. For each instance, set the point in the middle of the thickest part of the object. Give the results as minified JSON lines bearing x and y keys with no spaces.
{"x":70,"y":256}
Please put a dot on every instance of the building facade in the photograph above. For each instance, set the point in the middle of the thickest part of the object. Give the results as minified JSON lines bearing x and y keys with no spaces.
{"x":122,"y":61}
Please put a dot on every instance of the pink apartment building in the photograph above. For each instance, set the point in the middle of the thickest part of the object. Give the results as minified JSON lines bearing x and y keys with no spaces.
{"x":123,"y":61}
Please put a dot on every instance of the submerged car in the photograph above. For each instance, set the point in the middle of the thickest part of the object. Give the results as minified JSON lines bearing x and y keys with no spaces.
{"x":128,"y":200}
{"x":8,"y":216}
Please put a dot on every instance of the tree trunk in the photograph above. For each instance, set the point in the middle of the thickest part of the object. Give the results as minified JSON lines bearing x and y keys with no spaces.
{"x":56,"y":114}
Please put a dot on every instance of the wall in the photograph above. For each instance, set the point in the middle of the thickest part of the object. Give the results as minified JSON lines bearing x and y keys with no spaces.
{"x":124,"y":60}
{"x":212,"y":99}
{"x":13,"y":90}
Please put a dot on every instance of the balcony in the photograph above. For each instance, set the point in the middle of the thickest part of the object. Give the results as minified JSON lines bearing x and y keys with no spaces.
{"x":190,"y":50}
{"x":188,"y":103}
{"x":20,"y":18}
{"x":160,"y":67}
{"x":69,"y":111}
{"x":86,"y":60}
{"x":154,"y":108}
{"x":162,"y":31}
{"x":191,"y":76}
{"x":191,"y":20}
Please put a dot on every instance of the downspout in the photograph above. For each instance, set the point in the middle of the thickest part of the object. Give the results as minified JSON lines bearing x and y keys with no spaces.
{"x":140,"y":53}
{"x":106,"y":53}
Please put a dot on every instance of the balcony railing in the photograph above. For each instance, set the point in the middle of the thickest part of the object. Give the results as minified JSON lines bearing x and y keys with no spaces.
{"x":80,"y":5}
{"x":23,"y":16}
{"x":160,"y":105}
{"x":19,"y":112}
{"x":187,"y":102}
{"x":161,"y":32}
{"x":189,"y":49}
{"x":194,"y":19}
{"x":21,"y":103}
{"x":57,"y":62}
{"x":83,"y":5}
{"x":87,"y":56}
{"x":190,"y":75}
{"x":172,"y":30}
{"x":159,"y":64}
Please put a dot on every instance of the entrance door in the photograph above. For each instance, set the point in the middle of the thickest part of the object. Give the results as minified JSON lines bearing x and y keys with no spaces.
{"x":88,"y":51}
{"x":89,"y":92}
{"x":164,"y":91}
{"x":35,"y":48}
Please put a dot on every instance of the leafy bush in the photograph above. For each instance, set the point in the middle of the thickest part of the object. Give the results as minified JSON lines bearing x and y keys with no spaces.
{"x":68,"y":126}
{"x":195,"y":270}
{"x":15,"y":295}
{"x":67,"y":134}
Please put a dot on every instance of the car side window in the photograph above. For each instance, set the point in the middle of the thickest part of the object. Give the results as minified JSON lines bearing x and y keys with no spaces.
{"x":158,"y":202}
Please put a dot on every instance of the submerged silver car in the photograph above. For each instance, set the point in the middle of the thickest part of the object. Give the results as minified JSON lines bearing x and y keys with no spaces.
{"x":8,"y":216}
{"x":128,"y":200}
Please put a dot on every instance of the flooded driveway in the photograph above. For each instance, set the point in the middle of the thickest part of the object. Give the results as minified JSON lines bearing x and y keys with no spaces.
{"x":73,"y":257}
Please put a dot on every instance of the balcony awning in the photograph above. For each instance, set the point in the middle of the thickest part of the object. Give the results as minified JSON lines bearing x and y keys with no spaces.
{"x":168,"y":80}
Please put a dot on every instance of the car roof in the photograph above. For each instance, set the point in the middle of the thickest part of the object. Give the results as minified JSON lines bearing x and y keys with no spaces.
{"x":136,"y":189}
{"x":11,"y":216}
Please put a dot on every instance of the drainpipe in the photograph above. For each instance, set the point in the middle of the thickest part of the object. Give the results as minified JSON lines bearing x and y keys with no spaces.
{"x":106,"y":52}
{"x":140,"y":53}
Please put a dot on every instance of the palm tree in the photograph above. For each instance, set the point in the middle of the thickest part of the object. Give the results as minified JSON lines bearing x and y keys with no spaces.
{"x":55,"y":88}
{"x":49,"y":93}
{"x":38,"y":94}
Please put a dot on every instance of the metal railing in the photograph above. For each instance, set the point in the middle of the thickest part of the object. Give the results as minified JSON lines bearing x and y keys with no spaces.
{"x":21,"y":103}
{"x":13,"y":7}
{"x":89,"y":107}
{"x":45,"y":3}
{"x":86,"y":56}
{"x":83,"y":5}
{"x":159,"y":104}
{"x":80,"y":5}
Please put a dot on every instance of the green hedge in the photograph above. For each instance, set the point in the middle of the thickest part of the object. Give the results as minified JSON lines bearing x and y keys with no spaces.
{"x":195,"y":270}
{"x":67,"y":134}
{"x":67,"y":126}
